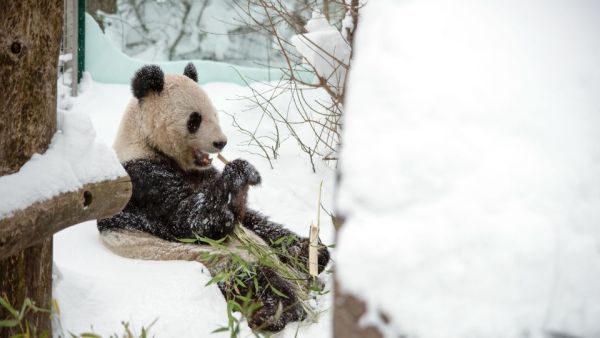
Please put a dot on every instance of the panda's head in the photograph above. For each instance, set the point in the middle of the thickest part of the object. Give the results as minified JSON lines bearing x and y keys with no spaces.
{"x":176,"y":117}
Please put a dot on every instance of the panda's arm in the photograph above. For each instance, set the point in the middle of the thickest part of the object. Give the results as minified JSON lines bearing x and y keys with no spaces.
{"x":270,"y":232}
{"x":233,"y":182}
{"x":175,"y":209}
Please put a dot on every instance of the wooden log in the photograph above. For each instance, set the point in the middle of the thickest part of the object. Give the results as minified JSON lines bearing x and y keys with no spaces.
{"x":26,"y":243}
{"x":28,"y":274}
{"x":30,"y":32}
{"x":42,"y":219}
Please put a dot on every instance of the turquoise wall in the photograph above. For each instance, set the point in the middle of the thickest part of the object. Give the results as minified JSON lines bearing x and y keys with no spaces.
{"x":107,"y":64}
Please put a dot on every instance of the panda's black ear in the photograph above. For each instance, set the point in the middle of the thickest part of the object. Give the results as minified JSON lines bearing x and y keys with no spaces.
{"x":190,"y":71}
{"x":146,"y":79}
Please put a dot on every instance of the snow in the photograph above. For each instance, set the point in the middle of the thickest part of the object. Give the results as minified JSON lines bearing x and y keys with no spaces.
{"x":65,"y":57}
{"x":99,"y":289}
{"x":325,"y":49}
{"x":470,"y":168}
{"x":74,"y":158}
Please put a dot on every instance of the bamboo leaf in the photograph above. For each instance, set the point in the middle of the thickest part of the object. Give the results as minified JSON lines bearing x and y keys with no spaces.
{"x":5,"y":304}
{"x":188,"y":240}
{"x":9,"y":323}
{"x":277,"y":292}
{"x":90,"y":335}
{"x":221,"y":329}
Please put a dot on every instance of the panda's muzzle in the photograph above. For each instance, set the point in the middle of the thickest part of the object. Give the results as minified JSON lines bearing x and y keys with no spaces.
{"x":201,"y":158}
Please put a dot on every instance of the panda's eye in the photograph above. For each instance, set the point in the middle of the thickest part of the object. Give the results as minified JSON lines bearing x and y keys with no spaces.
{"x":194,"y":122}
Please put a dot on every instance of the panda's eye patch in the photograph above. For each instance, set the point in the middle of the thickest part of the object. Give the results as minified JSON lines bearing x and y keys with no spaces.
{"x":194,"y":122}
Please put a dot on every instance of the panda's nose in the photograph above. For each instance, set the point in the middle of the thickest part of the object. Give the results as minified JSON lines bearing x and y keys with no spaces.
{"x":220,"y":145}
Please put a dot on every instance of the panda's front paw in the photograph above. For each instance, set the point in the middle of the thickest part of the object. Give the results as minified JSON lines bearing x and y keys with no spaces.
{"x":239,"y":173}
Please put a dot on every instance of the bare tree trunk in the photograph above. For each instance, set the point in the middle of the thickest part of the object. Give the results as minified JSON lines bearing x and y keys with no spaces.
{"x":30,"y":35}
{"x":28,"y":274}
{"x":105,"y":6}
{"x":347,"y":314}
{"x":326,"y":9}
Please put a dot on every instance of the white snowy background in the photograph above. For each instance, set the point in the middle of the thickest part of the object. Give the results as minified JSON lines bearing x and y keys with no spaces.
{"x":471,"y":168}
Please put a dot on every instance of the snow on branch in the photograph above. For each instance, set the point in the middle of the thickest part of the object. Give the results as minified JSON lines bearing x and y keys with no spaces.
{"x":326,"y":50}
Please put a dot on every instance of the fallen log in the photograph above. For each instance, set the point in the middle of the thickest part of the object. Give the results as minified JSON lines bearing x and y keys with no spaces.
{"x":32,"y":225}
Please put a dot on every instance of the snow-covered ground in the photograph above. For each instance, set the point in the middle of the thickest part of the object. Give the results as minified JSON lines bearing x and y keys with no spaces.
{"x":96,"y":289}
{"x":471,"y":168}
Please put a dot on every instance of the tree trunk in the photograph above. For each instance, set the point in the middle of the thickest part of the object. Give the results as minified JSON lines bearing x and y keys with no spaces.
{"x":30,"y":35}
{"x":347,"y":313}
{"x":28,"y":274}
{"x":105,"y":6}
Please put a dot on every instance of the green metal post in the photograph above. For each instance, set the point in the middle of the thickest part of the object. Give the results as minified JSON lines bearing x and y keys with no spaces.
{"x":80,"y":39}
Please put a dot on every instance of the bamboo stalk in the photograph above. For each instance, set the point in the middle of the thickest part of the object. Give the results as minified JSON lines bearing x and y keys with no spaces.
{"x":222,"y":159}
{"x":313,"y":253}
{"x":313,"y":248}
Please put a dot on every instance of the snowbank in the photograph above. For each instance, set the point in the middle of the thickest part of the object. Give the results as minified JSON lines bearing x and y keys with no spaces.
{"x":74,"y":158}
{"x":478,"y":213}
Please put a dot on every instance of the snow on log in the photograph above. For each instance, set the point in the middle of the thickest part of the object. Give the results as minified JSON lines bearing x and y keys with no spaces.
{"x":37,"y":222}
{"x":73,"y":159}
{"x":76,"y":179}
{"x":480,"y":215}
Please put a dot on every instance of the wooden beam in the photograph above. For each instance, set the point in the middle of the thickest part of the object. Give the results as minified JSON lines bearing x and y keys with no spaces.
{"x":41,"y":220}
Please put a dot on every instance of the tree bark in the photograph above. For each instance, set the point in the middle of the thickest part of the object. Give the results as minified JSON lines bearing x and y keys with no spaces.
{"x":41,"y":220}
{"x":30,"y":34}
{"x":28,"y":274}
{"x":105,"y":6}
{"x":347,"y":313}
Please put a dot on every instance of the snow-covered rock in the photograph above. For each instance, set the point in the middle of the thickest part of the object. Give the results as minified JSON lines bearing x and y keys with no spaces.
{"x":471,"y":168}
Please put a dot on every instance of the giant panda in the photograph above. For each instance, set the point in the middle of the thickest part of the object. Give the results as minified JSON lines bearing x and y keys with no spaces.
{"x":164,"y":140}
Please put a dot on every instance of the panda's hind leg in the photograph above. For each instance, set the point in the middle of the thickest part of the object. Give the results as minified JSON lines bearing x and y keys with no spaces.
{"x":278,"y":309}
{"x":277,"y":299}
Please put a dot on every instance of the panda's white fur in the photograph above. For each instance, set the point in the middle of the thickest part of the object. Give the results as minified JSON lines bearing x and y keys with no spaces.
{"x":160,"y":121}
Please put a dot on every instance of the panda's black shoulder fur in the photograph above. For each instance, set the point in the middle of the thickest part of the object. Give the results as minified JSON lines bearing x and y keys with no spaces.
{"x":146,"y":79}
